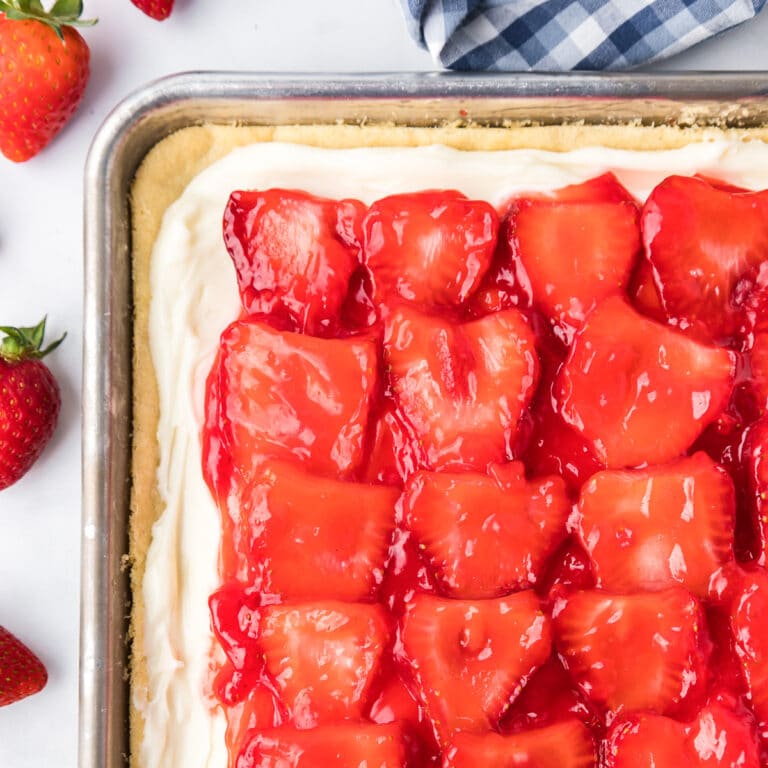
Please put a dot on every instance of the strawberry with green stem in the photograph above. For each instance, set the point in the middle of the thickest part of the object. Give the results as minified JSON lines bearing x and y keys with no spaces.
{"x":29,"y":400}
{"x":50,"y":62}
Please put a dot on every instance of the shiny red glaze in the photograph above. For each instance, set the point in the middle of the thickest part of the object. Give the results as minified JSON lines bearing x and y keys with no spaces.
{"x":743,"y":594}
{"x":305,"y":538}
{"x":274,"y":394}
{"x":569,"y":569}
{"x":428,"y":248}
{"x":755,"y":462}
{"x":536,"y":253}
{"x":444,"y":403}
{"x":704,"y":243}
{"x":575,"y":255}
{"x":485,"y":535}
{"x":471,"y":658}
{"x":648,"y":529}
{"x":302,"y":643}
{"x":348,"y":745}
{"x":568,"y":744}
{"x":646,"y":651}
{"x":722,"y":735}
{"x":294,"y":255}
{"x":551,"y":696}
{"x":461,"y":387}
{"x":641,"y":392}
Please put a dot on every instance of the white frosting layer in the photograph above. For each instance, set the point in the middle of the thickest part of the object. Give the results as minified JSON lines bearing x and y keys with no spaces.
{"x":194,"y":296}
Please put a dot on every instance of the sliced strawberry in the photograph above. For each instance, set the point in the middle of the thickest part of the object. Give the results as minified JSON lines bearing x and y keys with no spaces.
{"x":642,"y":741}
{"x":431,"y":248}
{"x":639,"y":391}
{"x":471,"y":658}
{"x":575,"y":254}
{"x":701,"y":241}
{"x":755,"y":458}
{"x":631,"y":652}
{"x":724,"y":737}
{"x":719,"y":737}
{"x":310,"y":537}
{"x":342,"y":745}
{"x":486,"y":535}
{"x":743,"y":592}
{"x":290,"y":396}
{"x":565,"y":745}
{"x":461,"y":388}
{"x":508,"y":283}
{"x":294,"y":255}
{"x":322,"y":657}
{"x":396,"y":703}
{"x":647,"y":529}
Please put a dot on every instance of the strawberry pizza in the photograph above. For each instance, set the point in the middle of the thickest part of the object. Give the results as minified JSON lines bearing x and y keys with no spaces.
{"x":454,"y":458}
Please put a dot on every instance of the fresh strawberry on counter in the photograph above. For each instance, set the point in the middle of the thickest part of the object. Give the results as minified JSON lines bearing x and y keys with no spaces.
{"x":21,"y":672}
{"x":51,"y":62}
{"x":29,"y":400}
{"x":159,"y":10}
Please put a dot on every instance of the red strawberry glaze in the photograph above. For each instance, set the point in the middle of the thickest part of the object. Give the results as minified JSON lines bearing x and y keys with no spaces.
{"x":349,"y":594}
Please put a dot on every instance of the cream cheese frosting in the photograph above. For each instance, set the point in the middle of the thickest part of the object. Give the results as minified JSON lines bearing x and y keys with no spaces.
{"x":194,"y":297}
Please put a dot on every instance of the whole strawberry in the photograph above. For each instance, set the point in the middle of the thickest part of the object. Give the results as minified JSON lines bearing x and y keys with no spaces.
{"x":21,"y":672}
{"x":29,"y":400}
{"x":49,"y":62}
{"x":157,"y":9}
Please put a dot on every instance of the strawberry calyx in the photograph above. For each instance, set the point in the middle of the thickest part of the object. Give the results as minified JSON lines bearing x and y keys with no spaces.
{"x":63,"y":13}
{"x":25,"y":343}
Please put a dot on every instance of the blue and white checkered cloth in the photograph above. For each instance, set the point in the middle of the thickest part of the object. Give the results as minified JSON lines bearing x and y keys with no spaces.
{"x":554,"y":35}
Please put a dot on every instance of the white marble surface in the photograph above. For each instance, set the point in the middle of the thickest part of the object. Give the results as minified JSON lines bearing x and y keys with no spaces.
{"x":41,"y":271}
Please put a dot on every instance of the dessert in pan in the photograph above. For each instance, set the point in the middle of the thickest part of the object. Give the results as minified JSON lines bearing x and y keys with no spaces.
{"x":450,"y":454}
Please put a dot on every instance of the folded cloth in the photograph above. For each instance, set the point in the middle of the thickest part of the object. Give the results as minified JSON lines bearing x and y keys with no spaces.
{"x":554,"y":35}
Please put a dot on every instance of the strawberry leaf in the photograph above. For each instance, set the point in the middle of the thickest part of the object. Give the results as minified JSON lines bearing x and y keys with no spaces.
{"x":25,"y":343}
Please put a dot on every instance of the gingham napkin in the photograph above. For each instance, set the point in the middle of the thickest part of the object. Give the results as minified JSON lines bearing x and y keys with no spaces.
{"x":553,"y":35}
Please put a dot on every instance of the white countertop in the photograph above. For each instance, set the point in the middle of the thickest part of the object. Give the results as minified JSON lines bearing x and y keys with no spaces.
{"x":41,"y":272}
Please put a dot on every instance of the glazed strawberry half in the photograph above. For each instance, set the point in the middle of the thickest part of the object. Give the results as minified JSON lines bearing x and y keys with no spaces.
{"x":565,"y":745}
{"x":322,"y":657}
{"x":347,"y":745}
{"x":641,"y":392}
{"x":486,"y":535}
{"x":576,"y":246}
{"x":646,"y":651}
{"x":460,"y":387}
{"x":281,"y":395}
{"x":309,"y":537}
{"x":294,"y":255}
{"x":719,"y":737}
{"x":430,"y":248}
{"x":471,"y":658}
{"x":743,"y":594}
{"x":704,"y":243}
{"x":647,"y":529}
{"x":755,"y":461}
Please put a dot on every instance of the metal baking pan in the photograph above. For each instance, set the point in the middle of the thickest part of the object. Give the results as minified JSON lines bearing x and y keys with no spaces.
{"x":725,"y":100}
